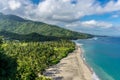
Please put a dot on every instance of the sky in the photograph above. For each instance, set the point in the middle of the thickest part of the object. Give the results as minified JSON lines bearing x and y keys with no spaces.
{"x":100,"y":17}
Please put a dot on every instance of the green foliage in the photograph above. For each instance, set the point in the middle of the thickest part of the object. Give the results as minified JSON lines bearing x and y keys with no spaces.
{"x":27,"y":37}
{"x":8,"y":65}
{"x":18,"y":25}
{"x":27,"y":60}
{"x":34,"y":57}
{"x":42,"y":78}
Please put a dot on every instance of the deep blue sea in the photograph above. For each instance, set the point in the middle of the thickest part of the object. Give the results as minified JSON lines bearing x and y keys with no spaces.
{"x":103,"y":55}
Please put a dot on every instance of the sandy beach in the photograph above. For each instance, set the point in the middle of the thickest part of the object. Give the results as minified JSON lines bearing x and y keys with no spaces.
{"x":73,"y":67}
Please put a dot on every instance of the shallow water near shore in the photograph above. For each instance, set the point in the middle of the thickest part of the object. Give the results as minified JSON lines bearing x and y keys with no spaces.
{"x":103,"y":55}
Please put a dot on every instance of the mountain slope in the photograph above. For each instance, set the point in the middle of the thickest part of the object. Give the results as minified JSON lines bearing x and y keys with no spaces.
{"x":27,"y":37}
{"x":19,"y":25}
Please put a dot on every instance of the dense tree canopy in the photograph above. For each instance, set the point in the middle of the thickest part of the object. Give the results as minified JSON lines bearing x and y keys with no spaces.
{"x":30,"y":47}
{"x":32,"y":58}
{"x":8,"y":65}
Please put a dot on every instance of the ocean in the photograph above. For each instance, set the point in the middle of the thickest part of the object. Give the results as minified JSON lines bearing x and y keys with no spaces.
{"x":102,"y":54}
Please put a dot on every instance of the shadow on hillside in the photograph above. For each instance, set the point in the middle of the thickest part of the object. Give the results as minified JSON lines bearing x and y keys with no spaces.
{"x":35,"y":37}
{"x":8,"y":67}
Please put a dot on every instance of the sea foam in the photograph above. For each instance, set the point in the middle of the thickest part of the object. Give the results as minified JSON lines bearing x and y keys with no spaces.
{"x":94,"y":77}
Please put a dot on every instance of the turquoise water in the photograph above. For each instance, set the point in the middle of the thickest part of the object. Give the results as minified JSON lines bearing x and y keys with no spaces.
{"x":103,"y":55}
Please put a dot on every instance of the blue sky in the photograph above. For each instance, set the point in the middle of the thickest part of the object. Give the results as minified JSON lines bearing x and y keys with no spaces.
{"x":36,"y":1}
{"x":100,"y":17}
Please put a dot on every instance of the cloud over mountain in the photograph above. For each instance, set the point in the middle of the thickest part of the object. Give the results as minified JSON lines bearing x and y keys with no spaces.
{"x":59,"y":11}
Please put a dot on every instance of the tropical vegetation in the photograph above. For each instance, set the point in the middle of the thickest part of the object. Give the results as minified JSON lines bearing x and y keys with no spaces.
{"x":28,"y":47}
{"x":28,"y":60}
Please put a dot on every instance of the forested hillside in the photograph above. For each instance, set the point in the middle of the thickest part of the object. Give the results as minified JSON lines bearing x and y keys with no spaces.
{"x":12,"y":23}
{"x":34,"y":37}
{"x":28,"y":60}
{"x":28,"y":47}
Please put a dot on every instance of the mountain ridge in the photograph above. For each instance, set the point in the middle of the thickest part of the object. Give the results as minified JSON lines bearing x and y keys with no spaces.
{"x":16,"y":24}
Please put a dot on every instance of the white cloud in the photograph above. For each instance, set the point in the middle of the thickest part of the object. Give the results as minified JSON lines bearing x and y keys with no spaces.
{"x":57,"y":10}
{"x":61,"y":11}
{"x":91,"y":24}
{"x":99,"y":24}
{"x":115,"y":16}
{"x":14,"y":4}
{"x":51,"y":11}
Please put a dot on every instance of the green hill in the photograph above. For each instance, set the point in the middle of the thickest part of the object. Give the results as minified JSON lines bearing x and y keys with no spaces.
{"x":32,"y":37}
{"x":28,"y":58}
{"x":15,"y":24}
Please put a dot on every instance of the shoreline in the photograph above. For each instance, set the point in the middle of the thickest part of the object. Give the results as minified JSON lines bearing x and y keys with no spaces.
{"x":94,"y":76}
{"x":73,"y":67}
